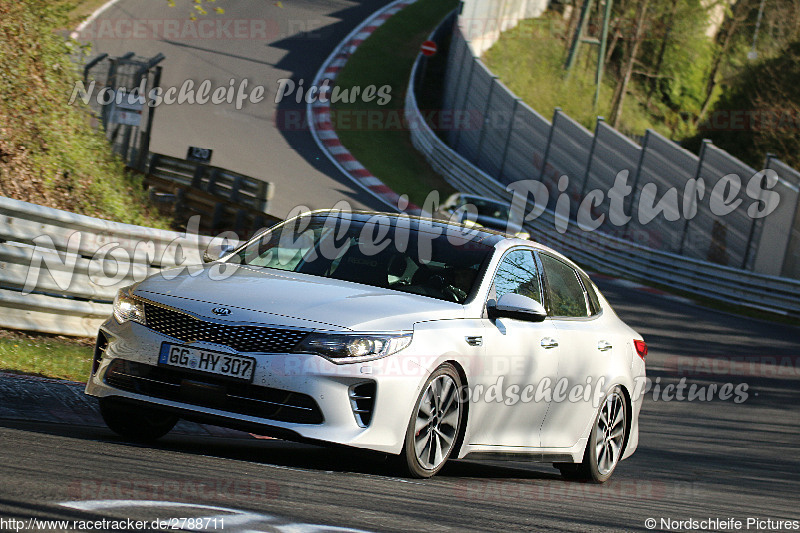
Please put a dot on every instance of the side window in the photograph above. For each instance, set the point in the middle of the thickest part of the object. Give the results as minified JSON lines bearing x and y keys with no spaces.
{"x":590,"y":290}
{"x":518,"y":274}
{"x":565,"y":291}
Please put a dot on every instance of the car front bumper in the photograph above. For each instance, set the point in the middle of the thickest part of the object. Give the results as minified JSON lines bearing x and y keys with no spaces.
{"x":331,"y":386}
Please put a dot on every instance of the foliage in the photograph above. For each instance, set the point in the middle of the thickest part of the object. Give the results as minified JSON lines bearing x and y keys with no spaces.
{"x":49,"y":152}
{"x":199,"y":8}
{"x":687,"y":56}
{"x":690,"y":54}
{"x":530,"y":60}
{"x":759,"y":111}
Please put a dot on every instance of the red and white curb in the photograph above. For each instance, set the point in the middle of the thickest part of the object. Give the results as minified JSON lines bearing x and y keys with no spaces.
{"x":319,"y":113}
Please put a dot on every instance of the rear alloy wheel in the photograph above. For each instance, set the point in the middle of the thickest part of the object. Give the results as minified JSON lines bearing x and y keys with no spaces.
{"x":434,"y":424}
{"x":606,"y":442}
{"x":135,"y":423}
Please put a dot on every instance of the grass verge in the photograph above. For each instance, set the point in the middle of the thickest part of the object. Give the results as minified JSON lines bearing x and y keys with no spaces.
{"x":80,"y":10}
{"x":45,"y":355}
{"x":530,"y":60}
{"x":386,"y":58}
{"x":49,"y":152}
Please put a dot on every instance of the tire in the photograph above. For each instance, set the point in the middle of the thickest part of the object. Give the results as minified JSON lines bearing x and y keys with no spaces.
{"x":434,"y":425}
{"x":606,"y":442}
{"x":138,"y":424}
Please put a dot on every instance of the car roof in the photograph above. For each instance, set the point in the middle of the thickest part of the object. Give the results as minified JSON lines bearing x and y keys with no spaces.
{"x":482,"y":234}
{"x":496,"y":239}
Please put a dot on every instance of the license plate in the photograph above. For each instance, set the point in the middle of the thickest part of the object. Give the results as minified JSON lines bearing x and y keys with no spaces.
{"x":234,"y":366}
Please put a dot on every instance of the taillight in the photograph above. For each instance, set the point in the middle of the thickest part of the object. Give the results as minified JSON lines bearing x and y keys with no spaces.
{"x":641,"y":348}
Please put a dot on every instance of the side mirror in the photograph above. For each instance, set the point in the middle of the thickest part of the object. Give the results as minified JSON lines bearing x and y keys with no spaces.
{"x":516,"y":306}
{"x":217,"y":251}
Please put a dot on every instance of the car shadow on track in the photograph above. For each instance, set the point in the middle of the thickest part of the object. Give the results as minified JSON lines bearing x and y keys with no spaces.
{"x":340,"y":459}
{"x":292,"y":455}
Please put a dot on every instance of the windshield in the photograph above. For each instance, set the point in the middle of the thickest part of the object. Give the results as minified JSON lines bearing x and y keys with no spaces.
{"x":402,"y":254}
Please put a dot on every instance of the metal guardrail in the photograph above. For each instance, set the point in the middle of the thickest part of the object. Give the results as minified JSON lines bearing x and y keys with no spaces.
{"x":511,"y":141}
{"x":601,"y":251}
{"x":237,"y":188}
{"x":59,"y":271}
{"x":225,"y":200}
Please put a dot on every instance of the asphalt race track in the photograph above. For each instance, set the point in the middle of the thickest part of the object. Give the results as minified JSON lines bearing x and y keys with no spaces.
{"x":274,"y":40}
{"x":697,"y":459}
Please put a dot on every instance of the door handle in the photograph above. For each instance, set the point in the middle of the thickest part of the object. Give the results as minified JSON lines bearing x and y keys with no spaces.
{"x":475,"y":340}
{"x":604,"y":346}
{"x":549,"y":342}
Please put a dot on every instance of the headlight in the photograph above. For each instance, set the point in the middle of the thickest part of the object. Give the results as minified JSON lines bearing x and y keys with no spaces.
{"x":128,"y":308}
{"x":353,"y":348}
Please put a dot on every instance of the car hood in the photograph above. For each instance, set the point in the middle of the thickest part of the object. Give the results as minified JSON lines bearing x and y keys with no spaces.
{"x":270,"y":296}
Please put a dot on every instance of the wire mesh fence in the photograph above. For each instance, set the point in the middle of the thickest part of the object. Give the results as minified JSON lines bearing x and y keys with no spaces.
{"x":119,"y":90}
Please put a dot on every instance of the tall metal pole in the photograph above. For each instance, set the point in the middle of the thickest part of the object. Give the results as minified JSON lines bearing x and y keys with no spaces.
{"x":601,"y":54}
{"x":576,"y":39}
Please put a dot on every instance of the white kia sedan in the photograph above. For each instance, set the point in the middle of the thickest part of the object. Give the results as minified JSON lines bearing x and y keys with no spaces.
{"x":417,"y":338}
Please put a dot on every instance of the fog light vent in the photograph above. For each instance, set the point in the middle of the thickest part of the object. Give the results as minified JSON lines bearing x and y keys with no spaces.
{"x":362,"y":400}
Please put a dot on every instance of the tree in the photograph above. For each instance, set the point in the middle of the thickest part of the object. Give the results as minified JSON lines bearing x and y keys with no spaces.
{"x":627,"y":70}
{"x":724,"y":40}
{"x":759,"y":111}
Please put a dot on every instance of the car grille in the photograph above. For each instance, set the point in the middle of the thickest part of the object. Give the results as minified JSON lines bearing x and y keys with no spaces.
{"x":241,"y":338}
{"x":213,"y":392}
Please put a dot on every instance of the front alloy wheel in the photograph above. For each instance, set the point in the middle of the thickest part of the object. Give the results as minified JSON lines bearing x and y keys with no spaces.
{"x":434,"y":424}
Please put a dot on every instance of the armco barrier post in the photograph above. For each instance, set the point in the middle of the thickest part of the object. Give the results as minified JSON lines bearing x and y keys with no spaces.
{"x":466,"y":98}
{"x":266,"y":190}
{"x":454,"y":76}
{"x":485,"y":120}
{"x":636,"y":176}
{"x":706,"y":142}
{"x":753,"y":223}
{"x":508,"y":137}
{"x":556,"y":112}
{"x":635,"y":183}
{"x":591,"y":155}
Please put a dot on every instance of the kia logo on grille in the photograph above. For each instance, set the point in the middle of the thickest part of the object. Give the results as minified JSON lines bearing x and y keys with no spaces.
{"x":224,"y":311}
